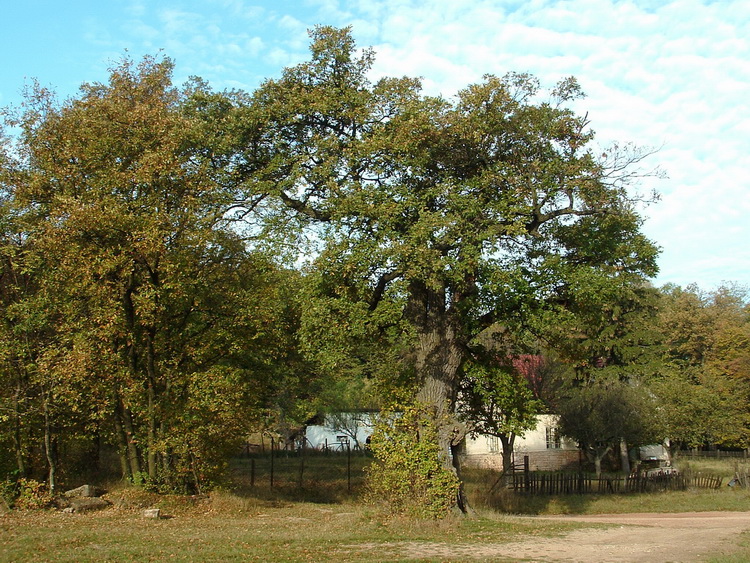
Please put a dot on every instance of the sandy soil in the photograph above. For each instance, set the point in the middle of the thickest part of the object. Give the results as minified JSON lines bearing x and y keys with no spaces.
{"x":632,"y":538}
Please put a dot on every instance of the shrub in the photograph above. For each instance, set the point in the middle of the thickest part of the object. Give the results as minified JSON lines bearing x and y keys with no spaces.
{"x":409,"y":475}
{"x":9,"y":491}
{"x":32,"y":495}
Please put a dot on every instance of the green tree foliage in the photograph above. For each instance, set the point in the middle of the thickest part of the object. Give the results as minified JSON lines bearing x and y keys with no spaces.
{"x":436,"y":219}
{"x":153,"y":326}
{"x":603,"y":412}
{"x":424,"y":225}
{"x":18,"y":342}
{"x":496,"y":399}
{"x":602,"y":341}
{"x":703,"y":385}
{"x":684,"y":349}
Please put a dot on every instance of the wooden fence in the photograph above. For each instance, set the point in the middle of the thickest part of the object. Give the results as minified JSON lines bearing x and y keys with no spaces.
{"x":713,"y":454}
{"x":580,"y":483}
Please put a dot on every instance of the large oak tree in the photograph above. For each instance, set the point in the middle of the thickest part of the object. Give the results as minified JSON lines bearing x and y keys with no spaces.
{"x":443,"y":218}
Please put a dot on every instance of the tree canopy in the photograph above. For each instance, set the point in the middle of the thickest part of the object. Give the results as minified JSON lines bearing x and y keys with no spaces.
{"x":438,"y":219}
{"x":147,"y":319}
{"x":180,"y":264}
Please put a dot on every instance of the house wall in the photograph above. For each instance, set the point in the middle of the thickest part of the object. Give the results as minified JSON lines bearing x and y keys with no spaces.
{"x":320,"y":436}
{"x":480,"y":451}
{"x":545,"y":452}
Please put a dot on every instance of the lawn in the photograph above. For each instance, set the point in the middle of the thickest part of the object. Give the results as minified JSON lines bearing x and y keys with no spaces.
{"x":322,"y":520}
{"x":234,"y":529}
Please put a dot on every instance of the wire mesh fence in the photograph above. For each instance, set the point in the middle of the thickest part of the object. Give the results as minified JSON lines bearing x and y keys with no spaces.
{"x":329,"y":473}
{"x":739,"y":455}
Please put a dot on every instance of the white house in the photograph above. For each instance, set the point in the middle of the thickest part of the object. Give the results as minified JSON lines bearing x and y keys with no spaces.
{"x":339,"y":431}
{"x":546,"y":449}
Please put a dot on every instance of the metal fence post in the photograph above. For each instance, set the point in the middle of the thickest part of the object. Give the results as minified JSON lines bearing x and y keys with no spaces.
{"x":272,"y":448}
{"x":301,"y":464}
{"x":348,"y":468}
{"x":526,"y":476}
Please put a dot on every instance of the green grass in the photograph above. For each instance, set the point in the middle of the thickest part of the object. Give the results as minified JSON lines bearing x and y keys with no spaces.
{"x":722,"y":467}
{"x":231,"y":529}
{"x":677,"y":501}
{"x":479,"y":482}
{"x":315,"y":477}
{"x":322,"y":520}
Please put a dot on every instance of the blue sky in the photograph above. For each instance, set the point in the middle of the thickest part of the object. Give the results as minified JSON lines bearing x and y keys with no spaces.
{"x":673,"y":75}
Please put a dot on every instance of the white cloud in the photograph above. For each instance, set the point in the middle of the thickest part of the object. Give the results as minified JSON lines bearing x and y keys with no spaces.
{"x":675,"y":75}
{"x":661,"y":73}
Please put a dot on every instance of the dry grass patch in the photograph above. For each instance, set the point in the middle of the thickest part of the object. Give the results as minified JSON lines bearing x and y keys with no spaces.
{"x":263,"y":524}
{"x":230,"y":528}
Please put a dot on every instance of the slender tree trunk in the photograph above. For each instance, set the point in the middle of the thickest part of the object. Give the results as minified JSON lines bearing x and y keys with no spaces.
{"x":17,"y":436}
{"x":122,"y":443}
{"x":599,"y":455}
{"x":151,"y":458}
{"x":49,"y":451}
{"x":132,"y":359}
{"x":132,"y":446}
{"x":18,"y":447}
{"x":507,"y":441}
{"x":152,"y":416}
{"x":667,"y":445}
{"x":93,"y":466}
{"x":624,"y":457}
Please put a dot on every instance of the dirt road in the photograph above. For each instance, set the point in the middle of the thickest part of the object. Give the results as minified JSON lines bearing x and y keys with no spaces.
{"x":631,"y":538}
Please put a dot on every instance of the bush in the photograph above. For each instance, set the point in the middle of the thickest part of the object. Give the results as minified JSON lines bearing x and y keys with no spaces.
{"x":9,"y":491}
{"x":409,"y":475}
{"x":32,"y":495}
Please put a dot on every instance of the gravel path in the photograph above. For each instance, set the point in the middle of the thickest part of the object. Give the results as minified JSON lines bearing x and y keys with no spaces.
{"x":631,"y":538}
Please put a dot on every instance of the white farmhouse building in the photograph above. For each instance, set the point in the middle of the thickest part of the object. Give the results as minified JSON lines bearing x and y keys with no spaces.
{"x":547,"y":450}
{"x":339,"y":431}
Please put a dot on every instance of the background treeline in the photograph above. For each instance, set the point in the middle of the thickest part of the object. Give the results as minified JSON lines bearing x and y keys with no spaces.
{"x":670,"y":366}
{"x":154,"y":303}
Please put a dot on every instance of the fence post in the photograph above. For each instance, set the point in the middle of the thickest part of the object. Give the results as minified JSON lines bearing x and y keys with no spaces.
{"x":301,"y":464}
{"x":348,"y":468}
{"x":526,"y":481}
{"x":272,"y":448}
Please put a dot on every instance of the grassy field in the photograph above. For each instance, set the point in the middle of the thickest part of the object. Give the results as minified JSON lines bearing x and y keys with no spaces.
{"x":232,"y":528}
{"x":320,"y":521}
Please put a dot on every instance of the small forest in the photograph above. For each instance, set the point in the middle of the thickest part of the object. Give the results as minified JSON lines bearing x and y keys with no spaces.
{"x":181,"y":268}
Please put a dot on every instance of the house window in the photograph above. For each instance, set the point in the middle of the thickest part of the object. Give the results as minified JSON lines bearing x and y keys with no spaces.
{"x":493,"y":444}
{"x":553,"y":438}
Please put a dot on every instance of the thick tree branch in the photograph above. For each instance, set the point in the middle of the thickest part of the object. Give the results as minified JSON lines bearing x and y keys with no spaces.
{"x":380,"y":287}
{"x":305,"y":209}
